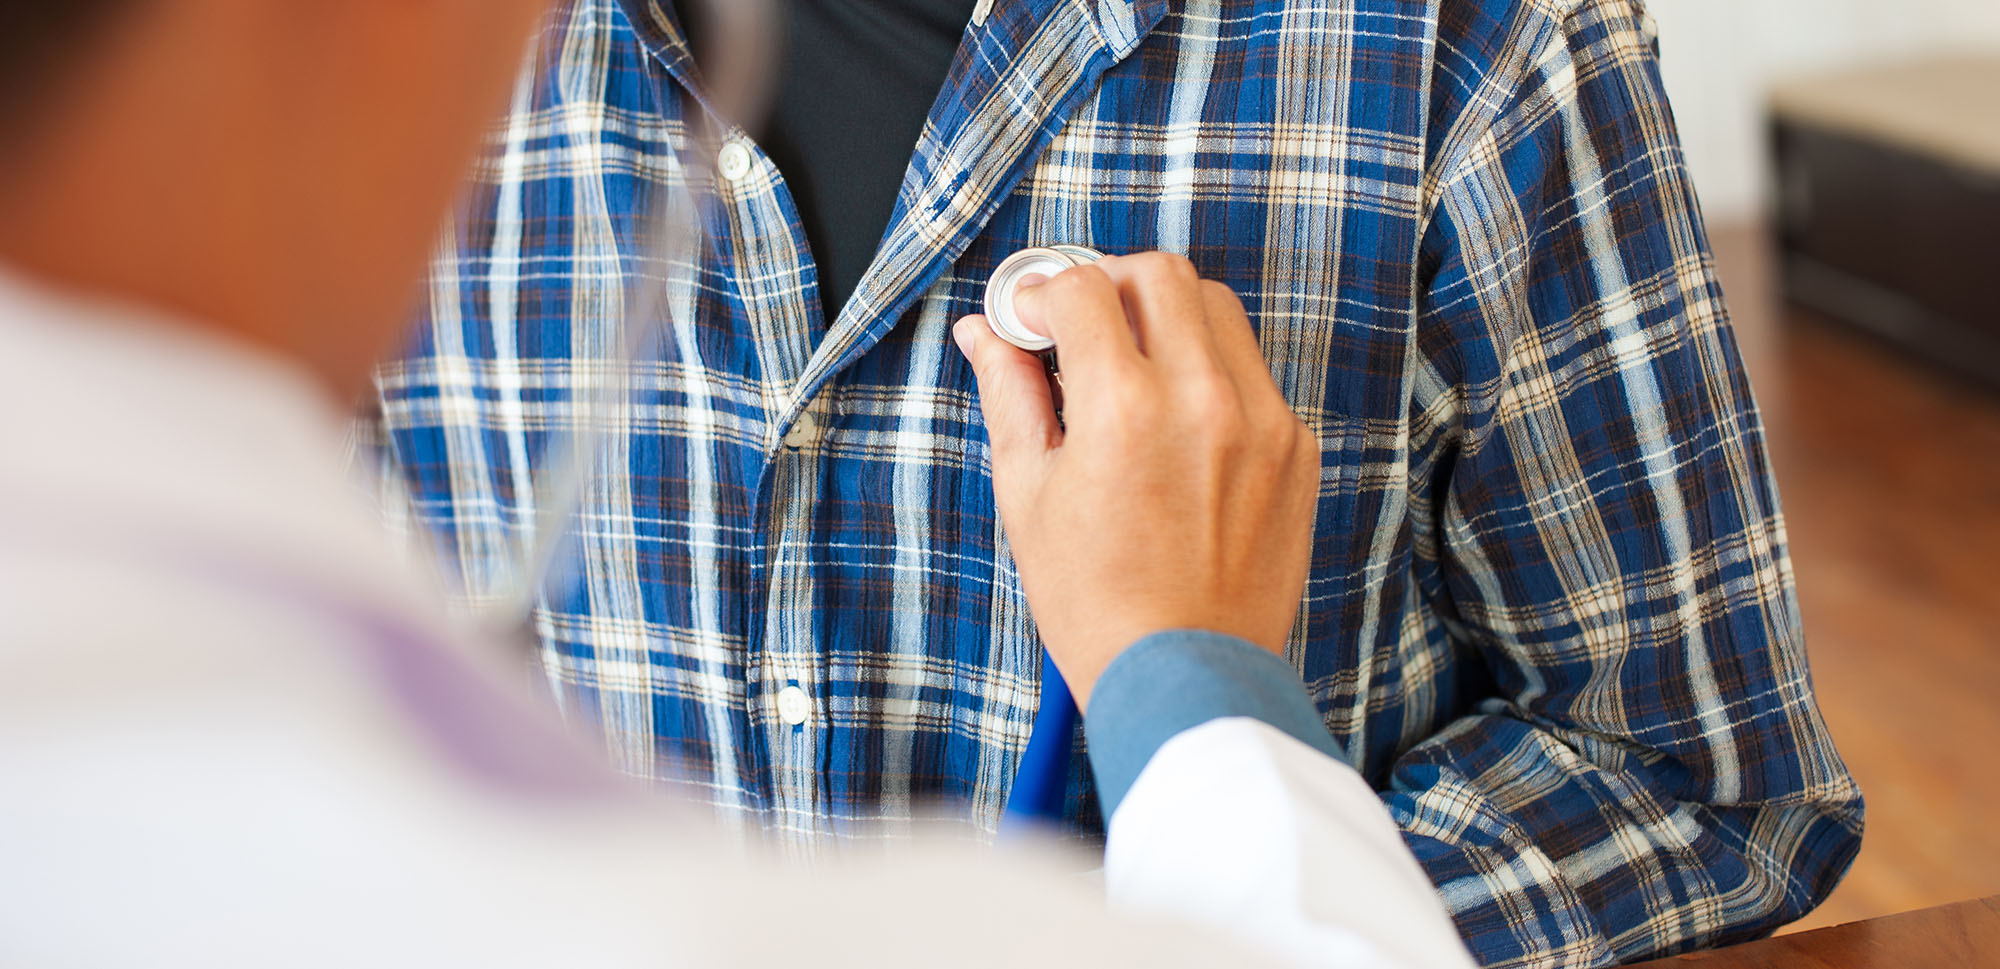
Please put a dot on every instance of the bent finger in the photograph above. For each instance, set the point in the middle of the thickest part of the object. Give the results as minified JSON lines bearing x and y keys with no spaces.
{"x":1163,"y":295}
{"x":1014,"y":397}
{"x":1083,"y":311}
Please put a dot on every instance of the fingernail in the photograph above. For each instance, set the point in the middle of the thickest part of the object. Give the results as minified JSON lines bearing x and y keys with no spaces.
{"x":962,"y":335}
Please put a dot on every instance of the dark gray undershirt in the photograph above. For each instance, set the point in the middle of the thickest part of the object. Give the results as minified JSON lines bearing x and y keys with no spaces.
{"x":858,"y":78}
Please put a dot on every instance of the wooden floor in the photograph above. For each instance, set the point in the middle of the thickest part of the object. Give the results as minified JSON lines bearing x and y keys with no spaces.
{"x":1890,"y":475}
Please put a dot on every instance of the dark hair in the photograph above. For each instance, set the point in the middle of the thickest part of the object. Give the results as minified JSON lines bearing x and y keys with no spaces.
{"x":39,"y":41}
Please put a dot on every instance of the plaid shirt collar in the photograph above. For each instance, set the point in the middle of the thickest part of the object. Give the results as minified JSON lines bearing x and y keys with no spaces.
{"x":1010,"y":89}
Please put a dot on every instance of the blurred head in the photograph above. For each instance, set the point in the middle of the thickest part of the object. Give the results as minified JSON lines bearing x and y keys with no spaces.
{"x":272,"y":169}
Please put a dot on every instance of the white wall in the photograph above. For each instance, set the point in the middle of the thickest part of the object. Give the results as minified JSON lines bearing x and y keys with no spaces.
{"x":1719,"y":57}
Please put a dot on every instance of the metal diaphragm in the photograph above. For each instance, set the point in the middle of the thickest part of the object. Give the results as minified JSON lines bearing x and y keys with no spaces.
{"x":1006,"y":281}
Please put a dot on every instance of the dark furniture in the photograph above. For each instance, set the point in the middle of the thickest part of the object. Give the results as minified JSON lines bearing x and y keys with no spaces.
{"x":1958,"y":936}
{"x":1889,"y":205}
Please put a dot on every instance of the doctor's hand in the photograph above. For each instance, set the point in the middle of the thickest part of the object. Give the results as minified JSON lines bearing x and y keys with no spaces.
{"x":1181,"y":494}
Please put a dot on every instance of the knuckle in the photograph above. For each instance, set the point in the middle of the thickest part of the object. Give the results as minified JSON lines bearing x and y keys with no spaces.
{"x":1306,"y":442}
{"x":1079,"y":280}
{"x":1308,"y":434}
{"x":1306,"y":452}
{"x":1277,"y":447}
{"x":1274,"y":440}
{"x":1126,"y":409}
{"x":1175,"y":266}
{"x":1136,"y":406}
{"x":1216,"y":408}
{"x":1204,"y":392}
{"x":1282,"y":426}
{"x":1221,"y":295}
{"x":1309,"y":464}
{"x":1164,"y":266}
{"x":1306,"y":471}
{"x":1229,"y":425}
{"x":1281,"y":434}
{"x":989,"y":364}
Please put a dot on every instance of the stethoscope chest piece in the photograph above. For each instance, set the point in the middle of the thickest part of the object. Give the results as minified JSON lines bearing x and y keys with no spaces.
{"x":1006,"y":281}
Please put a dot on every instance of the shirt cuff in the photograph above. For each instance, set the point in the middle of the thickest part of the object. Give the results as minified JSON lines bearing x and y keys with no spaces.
{"x":1177,"y":680}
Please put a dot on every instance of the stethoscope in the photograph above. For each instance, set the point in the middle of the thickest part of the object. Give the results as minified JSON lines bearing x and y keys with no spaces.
{"x":1041,"y":782}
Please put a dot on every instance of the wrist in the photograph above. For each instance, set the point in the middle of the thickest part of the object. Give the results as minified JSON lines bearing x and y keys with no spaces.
{"x":1085,"y":654}
{"x":1175,"y":680}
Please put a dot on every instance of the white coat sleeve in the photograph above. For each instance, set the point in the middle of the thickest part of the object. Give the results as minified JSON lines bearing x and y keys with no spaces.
{"x":1229,"y":807}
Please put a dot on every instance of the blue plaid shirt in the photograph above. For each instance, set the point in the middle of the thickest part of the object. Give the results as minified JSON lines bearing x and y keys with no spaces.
{"x":1551,"y":614}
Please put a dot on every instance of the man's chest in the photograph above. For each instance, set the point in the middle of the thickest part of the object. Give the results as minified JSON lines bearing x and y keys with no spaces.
{"x":1278,"y":145}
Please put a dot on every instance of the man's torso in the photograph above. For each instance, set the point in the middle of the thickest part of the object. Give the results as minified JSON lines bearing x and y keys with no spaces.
{"x":804,"y":502}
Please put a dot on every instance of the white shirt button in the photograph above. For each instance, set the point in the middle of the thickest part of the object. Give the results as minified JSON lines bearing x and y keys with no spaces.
{"x":793,"y":705}
{"x":803,"y":431}
{"x":734,"y":161}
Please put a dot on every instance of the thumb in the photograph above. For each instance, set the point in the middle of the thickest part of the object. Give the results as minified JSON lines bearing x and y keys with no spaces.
{"x":1013,"y":395}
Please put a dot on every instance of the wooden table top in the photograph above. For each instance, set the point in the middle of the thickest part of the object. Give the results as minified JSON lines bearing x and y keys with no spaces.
{"x":1966,"y":934}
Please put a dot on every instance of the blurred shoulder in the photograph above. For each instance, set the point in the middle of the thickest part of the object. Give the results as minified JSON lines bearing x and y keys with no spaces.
{"x":1495,"y":60}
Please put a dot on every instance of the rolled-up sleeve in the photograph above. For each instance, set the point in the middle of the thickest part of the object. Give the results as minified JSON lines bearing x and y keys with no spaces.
{"x":1599,"y":524}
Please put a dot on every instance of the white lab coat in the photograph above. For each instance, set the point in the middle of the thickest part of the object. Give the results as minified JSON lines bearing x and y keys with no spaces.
{"x":206,"y":759}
